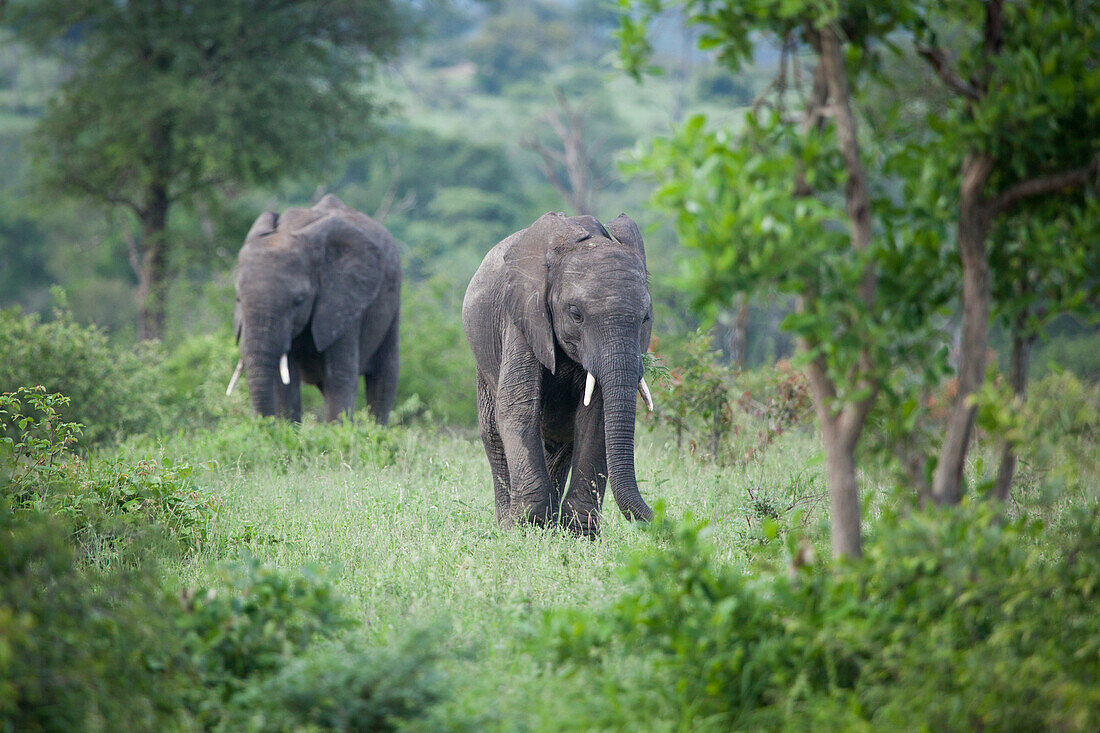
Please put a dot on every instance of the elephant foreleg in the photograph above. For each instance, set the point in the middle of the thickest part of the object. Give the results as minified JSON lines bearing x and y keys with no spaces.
{"x":519,"y":420}
{"x":494,"y":451}
{"x":380,"y":383}
{"x":341,"y":377}
{"x":584,"y":499}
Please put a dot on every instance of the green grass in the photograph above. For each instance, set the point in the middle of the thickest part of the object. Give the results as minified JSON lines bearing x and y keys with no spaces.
{"x":415,"y":544}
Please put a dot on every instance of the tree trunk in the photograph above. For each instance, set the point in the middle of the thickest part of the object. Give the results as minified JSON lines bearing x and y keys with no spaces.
{"x":1021,"y":350}
{"x":841,"y":429}
{"x":739,"y":334}
{"x":153,"y":269}
{"x":840,"y":474}
{"x":974,"y":222}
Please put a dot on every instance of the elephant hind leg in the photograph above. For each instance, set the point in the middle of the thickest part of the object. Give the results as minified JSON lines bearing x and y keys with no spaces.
{"x":380,"y":383}
{"x":559,"y":457}
{"x":494,"y":451}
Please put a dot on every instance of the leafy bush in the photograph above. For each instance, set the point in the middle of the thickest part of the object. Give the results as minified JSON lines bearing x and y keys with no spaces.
{"x":104,"y":503}
{"x":696,"y":400}
{"x":196,"y":372}
{"x":344,"y":690}
{"x":113,"y":391}
{"x":34,"y":441}
{"x":945,"y":624}
{"x":252,"y":624}
{"x":82,"y":649}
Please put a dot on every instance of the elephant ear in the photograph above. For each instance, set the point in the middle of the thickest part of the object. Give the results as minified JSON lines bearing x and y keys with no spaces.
{"x":349,"y":274}
{"x":527,"y":270}
{"x":265,"y":224}
{"x":624,"y":230}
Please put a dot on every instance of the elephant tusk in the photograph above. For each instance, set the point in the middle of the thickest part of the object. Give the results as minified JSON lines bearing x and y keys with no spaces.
{"x":284,"y":370}
{"x":589,"y":385}
{"x":236,"y":376}
{"x":644,"y":389}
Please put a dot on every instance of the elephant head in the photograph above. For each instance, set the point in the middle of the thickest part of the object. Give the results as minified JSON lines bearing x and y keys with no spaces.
{"x":578,"y":290}
{"x":309,"y":273}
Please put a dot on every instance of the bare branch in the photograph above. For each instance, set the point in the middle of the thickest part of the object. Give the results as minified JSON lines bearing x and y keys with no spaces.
{"x":937,"y":59}
{"x":575,"y":186}
{"x":388,"y":205}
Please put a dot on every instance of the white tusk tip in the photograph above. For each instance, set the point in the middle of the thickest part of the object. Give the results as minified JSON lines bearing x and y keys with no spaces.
{"x":644,"y":389}
{"x":284,"y":370}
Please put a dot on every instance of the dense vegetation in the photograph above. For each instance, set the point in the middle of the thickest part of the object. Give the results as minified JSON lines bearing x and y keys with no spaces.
{"x":169,"y":562}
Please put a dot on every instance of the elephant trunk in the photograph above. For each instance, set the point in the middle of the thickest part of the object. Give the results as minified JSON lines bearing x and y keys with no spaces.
{"x":261,"y":351}
{"x":618,"y":379}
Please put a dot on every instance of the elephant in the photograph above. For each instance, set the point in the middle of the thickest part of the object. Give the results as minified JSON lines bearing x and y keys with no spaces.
{"x":558,"y":316}
{"x":318,"y":295}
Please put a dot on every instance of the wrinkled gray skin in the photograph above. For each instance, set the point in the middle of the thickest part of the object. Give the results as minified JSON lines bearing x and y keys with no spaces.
{"x":322,"y":285}
{"x":548,"y":304}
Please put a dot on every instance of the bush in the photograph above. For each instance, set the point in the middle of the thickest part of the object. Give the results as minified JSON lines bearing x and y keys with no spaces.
{"x":105,"y":505}
{"x":345,"y":690}
{"x":196,"y":372}
{"x":113,"y":391}
{"x":252,"y":623}
{"x":81,"y":649}
{"x":946,"y":624}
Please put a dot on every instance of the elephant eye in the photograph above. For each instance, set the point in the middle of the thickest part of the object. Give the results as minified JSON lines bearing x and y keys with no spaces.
{"x":575,"y":314}
{"x":299,"y":299}
{"x":646,"y":317}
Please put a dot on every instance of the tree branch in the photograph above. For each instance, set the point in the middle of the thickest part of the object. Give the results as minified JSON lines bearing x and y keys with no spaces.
{"x":1043,"y":185}
{"x":939,"y":63}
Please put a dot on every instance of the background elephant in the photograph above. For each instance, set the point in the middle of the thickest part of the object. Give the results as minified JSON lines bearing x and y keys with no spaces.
{"x":318,"y":292}
{"x":558,"y":317}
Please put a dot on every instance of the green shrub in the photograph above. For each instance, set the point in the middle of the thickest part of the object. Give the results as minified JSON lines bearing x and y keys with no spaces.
{"x":196,"y":372}
{"x":82,"y":649}
{"x":952,"y":621}
{"x":112,"y":390}
{"x":345,"y":690}
{"x":105,"y":504}
{"x":252,"y":623}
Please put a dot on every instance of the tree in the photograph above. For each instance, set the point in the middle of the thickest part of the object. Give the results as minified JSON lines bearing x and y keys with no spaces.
{"x":1024,"y":127}
{"x":169,"y":101}
{"x":787,"y":205}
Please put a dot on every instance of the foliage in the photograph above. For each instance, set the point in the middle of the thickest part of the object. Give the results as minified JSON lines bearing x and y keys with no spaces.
{"x":252,"y":623}
{"x":935,"y":627}
{"x":106,"y":505}
{"x":112,"y":391}
{"x":697,"y":398}
{"x":786,"y":403}
{"x":1054,"y":430}
{"x":195,"y":372}
{"x":82,"y":649}
{"x":345,"y":689}
{"x":247,"y":443}
{"x":169,"y":102}
{"x":436,"y":364}
{"x":34,"y":440}
{"x":517,"y":43}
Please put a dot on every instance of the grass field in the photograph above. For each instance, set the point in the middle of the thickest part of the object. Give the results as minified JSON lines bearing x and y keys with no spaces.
{"x":414,"y":545}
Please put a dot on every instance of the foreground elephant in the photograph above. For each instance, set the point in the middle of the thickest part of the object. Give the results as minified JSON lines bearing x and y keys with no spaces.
{"x":318,"y":291}
{"x":558,"y":316}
